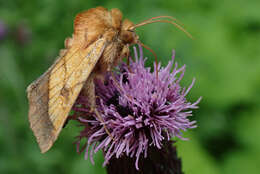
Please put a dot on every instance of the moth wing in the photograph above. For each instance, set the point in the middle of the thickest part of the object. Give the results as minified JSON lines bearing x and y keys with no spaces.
{"x":52,"y":96}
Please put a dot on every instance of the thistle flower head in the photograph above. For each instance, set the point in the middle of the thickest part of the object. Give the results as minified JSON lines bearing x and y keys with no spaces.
{"x":138,"y":108}
{"x":3,"y":30}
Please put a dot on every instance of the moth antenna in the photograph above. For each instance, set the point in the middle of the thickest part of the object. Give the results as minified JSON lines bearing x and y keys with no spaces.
{"x":158,"y":17}
{"x":155,"y":57}
{"x":163,"y":21}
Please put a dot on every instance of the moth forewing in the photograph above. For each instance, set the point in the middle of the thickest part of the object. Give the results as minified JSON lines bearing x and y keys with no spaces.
{"x":53,"y":94}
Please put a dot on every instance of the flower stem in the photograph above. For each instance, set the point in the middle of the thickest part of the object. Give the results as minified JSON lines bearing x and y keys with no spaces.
{"x":158,"y":161}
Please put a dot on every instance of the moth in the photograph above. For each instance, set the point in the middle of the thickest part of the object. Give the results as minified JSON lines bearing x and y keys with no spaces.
{"x":100,"y":40}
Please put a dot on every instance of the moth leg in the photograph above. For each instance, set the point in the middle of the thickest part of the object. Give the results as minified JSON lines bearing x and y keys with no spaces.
{"x":101,"y":120}
{"x":125,"y":54}
{"x":89,"y":92}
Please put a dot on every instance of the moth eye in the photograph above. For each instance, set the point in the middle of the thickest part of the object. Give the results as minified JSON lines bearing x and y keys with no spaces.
{"x":127,"y":37}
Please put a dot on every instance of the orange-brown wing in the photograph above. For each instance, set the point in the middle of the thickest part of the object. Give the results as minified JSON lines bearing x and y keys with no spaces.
{"x":53,"y":94}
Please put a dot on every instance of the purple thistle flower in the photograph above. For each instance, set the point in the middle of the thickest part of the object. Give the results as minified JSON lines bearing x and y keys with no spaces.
{"x":3,"y":30}
{"x":23,"y":34}
{"x":139,"y":110}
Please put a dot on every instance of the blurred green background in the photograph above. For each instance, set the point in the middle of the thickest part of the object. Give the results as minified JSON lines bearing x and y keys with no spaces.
{"x":224,"y":58}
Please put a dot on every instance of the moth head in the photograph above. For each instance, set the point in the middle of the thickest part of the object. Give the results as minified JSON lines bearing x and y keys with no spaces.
{"x":127,"y":33}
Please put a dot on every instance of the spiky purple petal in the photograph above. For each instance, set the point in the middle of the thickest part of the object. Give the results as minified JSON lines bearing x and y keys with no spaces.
{"x":138,"y":109}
